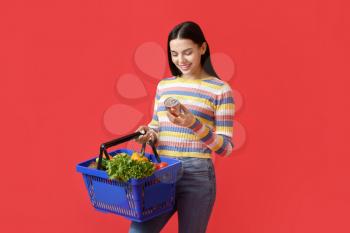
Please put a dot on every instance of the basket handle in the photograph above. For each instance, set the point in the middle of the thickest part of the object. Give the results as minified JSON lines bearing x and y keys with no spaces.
{"x":153,"y":149}
{"x":106,"y":145}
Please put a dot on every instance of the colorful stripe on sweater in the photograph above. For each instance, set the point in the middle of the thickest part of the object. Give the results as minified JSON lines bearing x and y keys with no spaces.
{"x":211,"y":102}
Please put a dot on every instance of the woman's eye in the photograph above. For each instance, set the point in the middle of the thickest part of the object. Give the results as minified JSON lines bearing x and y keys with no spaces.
{"x":188,"y":53}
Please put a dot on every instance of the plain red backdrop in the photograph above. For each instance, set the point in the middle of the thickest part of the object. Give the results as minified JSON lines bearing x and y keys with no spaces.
{"x":59,"y":63}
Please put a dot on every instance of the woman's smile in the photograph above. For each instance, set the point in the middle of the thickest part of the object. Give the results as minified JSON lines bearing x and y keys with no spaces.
{"x":185,"y":67}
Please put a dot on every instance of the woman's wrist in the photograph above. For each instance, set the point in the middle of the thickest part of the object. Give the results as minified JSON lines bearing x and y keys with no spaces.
{"x":191,"y":122}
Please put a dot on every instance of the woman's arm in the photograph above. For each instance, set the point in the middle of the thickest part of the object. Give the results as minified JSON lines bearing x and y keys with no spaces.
{"x":220,"y":140}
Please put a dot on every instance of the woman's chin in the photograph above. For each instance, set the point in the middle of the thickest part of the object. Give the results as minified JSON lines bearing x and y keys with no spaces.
{"x":186,"y":71}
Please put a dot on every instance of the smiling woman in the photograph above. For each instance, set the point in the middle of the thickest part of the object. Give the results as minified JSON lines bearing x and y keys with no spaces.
{"x":202,"y":126}
{"x":188,"y":52}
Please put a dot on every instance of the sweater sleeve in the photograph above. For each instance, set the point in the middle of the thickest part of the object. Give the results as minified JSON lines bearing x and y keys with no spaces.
{"x":219,"y":139}
{"x":154,"y":124}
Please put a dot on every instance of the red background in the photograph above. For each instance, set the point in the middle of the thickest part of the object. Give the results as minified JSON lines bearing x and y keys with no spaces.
{"x":59,"y":63}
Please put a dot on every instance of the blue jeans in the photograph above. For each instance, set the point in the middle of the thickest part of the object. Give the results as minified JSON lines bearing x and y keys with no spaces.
{"x":194,"y":200}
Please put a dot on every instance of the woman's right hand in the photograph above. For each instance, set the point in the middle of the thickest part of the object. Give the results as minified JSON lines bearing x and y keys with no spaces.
{"x":149,"y":135}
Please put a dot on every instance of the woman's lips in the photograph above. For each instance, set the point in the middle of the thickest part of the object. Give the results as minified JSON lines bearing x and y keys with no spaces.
{"x":185,"y":67}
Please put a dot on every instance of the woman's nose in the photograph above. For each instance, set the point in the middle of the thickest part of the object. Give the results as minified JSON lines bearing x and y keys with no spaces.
{"x":181,"y":59}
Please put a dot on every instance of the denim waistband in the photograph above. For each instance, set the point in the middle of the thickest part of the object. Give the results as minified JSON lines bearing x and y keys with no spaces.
{"x":192,"y":164}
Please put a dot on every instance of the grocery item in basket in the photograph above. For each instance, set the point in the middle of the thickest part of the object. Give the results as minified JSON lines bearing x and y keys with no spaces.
{"x":137,"y":156}
{"x":161,"y":165}
{"x":123,"y":167}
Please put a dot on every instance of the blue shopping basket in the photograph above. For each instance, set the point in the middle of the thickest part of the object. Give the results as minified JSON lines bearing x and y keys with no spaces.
{"x":138,"y":199}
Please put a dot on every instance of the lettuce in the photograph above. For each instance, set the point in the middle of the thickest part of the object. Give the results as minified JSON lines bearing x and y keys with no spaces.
{"x":121,"y":167}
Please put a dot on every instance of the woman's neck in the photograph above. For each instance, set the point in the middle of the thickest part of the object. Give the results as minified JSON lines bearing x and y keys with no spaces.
{"x":198,"y":75}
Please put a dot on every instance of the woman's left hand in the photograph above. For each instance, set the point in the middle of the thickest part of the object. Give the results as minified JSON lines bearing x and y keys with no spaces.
{"x":185,"y":118}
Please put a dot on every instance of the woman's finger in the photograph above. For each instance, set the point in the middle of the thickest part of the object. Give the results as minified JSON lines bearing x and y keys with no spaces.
{"x":185,"y":110}
{"x":143,"y":129}
{"x":170,"y":116}
{"x":139,"y":128}
{"x":151,"y":137}
{"x":180,"y":120}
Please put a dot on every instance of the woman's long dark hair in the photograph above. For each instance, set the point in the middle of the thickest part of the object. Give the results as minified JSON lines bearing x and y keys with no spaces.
{"x":190,"y":30}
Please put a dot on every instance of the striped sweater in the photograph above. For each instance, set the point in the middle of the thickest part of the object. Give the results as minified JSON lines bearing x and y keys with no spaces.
{"x":210,"y":100}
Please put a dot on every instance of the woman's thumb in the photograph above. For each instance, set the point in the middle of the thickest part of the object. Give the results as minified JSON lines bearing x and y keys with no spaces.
{"x":140,"y":128}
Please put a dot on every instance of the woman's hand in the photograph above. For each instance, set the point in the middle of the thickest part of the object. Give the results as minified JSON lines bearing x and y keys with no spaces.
{"x":149,"y":135}
{"x":185,"y":118}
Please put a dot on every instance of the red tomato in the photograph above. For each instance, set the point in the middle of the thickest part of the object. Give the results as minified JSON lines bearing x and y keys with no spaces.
{"x":156,"y":166}
{"x":162,"y":164}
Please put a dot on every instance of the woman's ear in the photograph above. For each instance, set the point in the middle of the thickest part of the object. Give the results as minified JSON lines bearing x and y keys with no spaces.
{"x":203,"y":48}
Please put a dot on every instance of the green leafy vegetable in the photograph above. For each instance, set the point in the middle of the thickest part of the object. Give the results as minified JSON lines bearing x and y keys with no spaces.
{"x":121,"y":167}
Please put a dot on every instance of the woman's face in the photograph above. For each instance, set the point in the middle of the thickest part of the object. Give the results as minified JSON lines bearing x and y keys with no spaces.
{"x":186,"y":55}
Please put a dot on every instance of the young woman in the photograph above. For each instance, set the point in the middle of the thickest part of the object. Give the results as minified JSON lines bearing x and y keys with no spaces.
{"x":203,"y":126}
